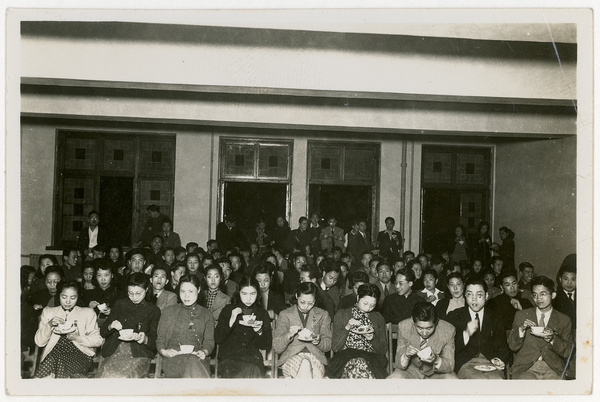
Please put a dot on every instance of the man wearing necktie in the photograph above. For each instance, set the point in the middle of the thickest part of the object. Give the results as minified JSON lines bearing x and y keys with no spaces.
{"x":425,"y":346}
{"x":541,"y":353}
{"x":481,"y":349}
{"x":390,"y":241}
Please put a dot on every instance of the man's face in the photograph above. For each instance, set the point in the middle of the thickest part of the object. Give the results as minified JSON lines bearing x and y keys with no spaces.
{"x":384,"y":274}
{"x":337,"y":254}
{"x":136,"y":263}
{"x":154,"y":214}
{"x":542,"y":296}
{"x":166,"y":227}
{"x":104,"y":276}
{"x":356,"y":286}
{"x":424,"y":328}
{"x":389,"y":224}
{"x":236,"y":263}
{"x":489,"y":280}
{"x":477,"y":266}
{"x":314,"y":219}
{"x":264,"y":282}
{"x":429,"y":282}
{"x":305,"y":277}
{"x":498,"y":264}
{"x":114,"y":253}
{"x":527,"y":274}
{"x":398,"y":265}
{"x":280,"y":221}
{"x":417,"y":269}
{"x":93,"y":220}
{"x":97,"y":254}
{"x":159,"y":279}
{"x":409,"y":257}
{"x":304,"y":225}
{"x":475,"y":297}
{"x":157,"y":244}
{"x":71,"y":259}
{"x":402,"y":285}
{"x":373,"y":267}
{"x":424,"y":261}
{"x":331,"y":222}
{"x":299,"y":262}
{"x":510,"y":286}
{"x":169,"y":256}
{"x":330,"y":278}
{"x":52,"y":280}
{"x":568,"y":281}
{"x":226,"y":268}
{"x":362,"y":226}
{"x":365,"y":260}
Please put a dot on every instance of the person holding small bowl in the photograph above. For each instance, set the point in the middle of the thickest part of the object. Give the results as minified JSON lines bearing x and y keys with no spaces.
{"x":130,"y":332}
{"x":303,"y":336}
{"x":186,"y":334}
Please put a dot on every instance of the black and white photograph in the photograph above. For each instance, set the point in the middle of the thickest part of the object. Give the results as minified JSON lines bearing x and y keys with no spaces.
{"x":244,"y":199}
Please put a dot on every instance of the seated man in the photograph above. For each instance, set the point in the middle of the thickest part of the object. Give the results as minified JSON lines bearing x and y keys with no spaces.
{"x":424,"y":330}
{"x":510,"y":301}
{"x":398,"y":306}
{"x":540,"y":356}
{"x":384,"y":276}
{"x":310,"y":273}
{"x":330,"y":271}
{"x":480,"y":336}
{"x":357,"y":279}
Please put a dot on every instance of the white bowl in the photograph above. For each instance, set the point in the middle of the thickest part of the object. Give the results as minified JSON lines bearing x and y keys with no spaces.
{"x":186,"y":348}
{"x":126,"y":333}
{"x":537,"y":331}
{"x":102,"y":306}
{"x":425,"y":353}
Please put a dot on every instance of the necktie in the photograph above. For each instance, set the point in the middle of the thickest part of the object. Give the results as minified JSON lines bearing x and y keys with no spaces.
{"x":386,"y":292}
{"x":570,"y":294}
{"x":423,"y":344}
{"x":478,"y":322}
{"x":332,"y":239}
{"x":541,"y":322}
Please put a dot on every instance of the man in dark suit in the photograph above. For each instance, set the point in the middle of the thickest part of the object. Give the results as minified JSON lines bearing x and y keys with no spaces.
{"x":510,"y":301}
{"x":91,"y":235}
{"x":398,"y":306}
{"x":540,"y":356}
{"x":480,"y":335}
{"x":228,"y":235}
{"x":324,"y":301}
{"x":300,"y":239}
{"x":384,"y":276}
{"x":359,"y":241}
{"x":565,"y":300}
{"x":424,"y":329}
{"x":390,"y":241}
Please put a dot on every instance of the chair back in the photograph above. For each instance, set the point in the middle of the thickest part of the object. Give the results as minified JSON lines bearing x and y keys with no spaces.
{"x":392,"y":333}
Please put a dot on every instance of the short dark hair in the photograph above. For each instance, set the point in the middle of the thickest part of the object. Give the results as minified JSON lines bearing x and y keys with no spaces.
{"x":139,"y":279}
{"x":306,"y":288}
{"x":328,"y":265}
{"x":496,"y":258}
{"x":98,"y":247}
{"x":359,"y":276}
{"x":162,"y":268}
{"x":476,"y":280}
{"x":153,"y":208}
{"x":135,"y":251}
{"x":545,"y":282}
{"x":302,"y":219}
{"x":436,"y":259}
{"x":54,"y":269}
{"x":524,"y":265}
{"x":453,"y":275}
{"x":382,"y":263}
{"x":157,"y":236}
{"x":167,"y":220}
{"x":263,"y":268}
{"x":390,"y":218}
{"x":506,"y":273}
{"x":407,"y":252}
{"x":423,"y":311}
{"x":368,"y":289}
{"x":68,"y":250}
{"x":565,"y":268}
{"x":408,"y":273}
{"x":191,"y":244}
{"x":48,"y":257}
{"x":69,"y":284}
{"x":313,"y":272}
{"x":431,"y":272}
{"x":92,"y":212}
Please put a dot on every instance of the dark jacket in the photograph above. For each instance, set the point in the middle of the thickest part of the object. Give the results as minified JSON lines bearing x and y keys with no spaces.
{"x":142,"y":317}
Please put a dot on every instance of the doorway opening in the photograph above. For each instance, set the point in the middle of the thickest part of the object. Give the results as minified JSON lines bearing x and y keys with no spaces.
{"x":346,"y":203}
{"x":251,"y":201}
{"x":116,"y":207}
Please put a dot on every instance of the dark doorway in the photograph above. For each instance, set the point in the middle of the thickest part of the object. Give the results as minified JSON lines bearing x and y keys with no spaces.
{"x":443,"y":209}
{"x":252,"y":201}
{"x":116,"y":207}
{"x":346,"y":203}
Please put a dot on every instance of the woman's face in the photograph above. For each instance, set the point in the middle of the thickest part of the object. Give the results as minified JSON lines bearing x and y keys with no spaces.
{"x":248,"y":295}
{"x":45,"y":263}
{"x":193,"y":264}
{"x":68,"y":298}
{"x":113,"y":254}
{"x":136,"y":294}
{"x":477,"y":266}
{"x":30,"y":278}
{"x":366,"y":304}
{"x":458,"y":231}
{"x":213,"y":279}
{"x":484,"y":229}
{"x":52,"y":280}
{"x":305,"y":303}
{"x":417,"y":269}
{"x":503,"y":234}
{"x":188,"y":293}
{"x":103,"y":277}
{"x":264,"y":281}
{"x":456,"y":287}
{"x":88,"y":274}
{"x":489,"y":280}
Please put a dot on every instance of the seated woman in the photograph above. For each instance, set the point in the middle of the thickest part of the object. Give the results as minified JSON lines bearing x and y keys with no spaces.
{"x":244,"y":328}
{"x":47,"y":297}
{"x":455,"y":295}
{"x":269,"y":299}
{"x":186,"y":324}
{"x":69,"y":334}
{"x":213,"y":298}
{"x":105,"y":292}
{"x":302,"y":336}
{"x":39,"y":282}
{"x":359,"y":339}
{"x":128,"y":356}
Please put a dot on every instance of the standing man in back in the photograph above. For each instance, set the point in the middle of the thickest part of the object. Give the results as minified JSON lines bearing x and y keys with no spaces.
{"x":390,"y":241}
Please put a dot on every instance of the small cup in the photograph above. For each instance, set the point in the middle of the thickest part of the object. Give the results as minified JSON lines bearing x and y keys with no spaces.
{"x":102,"y":306}
{"x":247,"y":317}
{"x":64,"y":326}
{"x":538,"y":331}
{"x":425,"y":353}
{"x":187,"y":349}
{"x":126,"y":333}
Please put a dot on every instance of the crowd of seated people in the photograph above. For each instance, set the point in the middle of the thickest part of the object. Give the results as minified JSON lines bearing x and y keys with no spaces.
{"x":323,"y":301}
